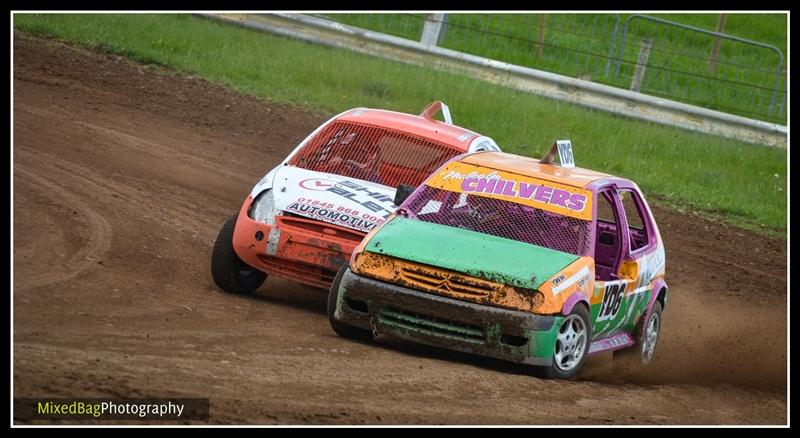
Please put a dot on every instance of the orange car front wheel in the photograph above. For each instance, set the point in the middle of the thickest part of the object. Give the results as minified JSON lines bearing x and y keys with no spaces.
{"x":230,"y":273}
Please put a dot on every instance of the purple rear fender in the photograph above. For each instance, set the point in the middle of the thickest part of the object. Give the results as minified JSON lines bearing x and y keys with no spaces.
{"x":658,"y":285}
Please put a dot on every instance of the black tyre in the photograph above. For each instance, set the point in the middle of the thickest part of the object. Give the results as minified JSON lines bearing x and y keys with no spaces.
{"x":230,"y":273}
{"x":572,"y":344}
{"x":339,"y":327}
{"x":646,"y":334}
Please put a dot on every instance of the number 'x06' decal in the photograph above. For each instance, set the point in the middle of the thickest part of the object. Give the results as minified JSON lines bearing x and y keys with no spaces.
{"x":612,"y":300}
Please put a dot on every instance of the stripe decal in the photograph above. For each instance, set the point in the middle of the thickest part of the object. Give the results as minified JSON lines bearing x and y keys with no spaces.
{"x":571,"y":280}
{"x":273,"y":239}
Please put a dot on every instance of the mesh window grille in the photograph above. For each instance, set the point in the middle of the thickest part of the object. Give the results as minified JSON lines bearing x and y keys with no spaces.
{"x":373,"y":154}
{"x":503,"y":219}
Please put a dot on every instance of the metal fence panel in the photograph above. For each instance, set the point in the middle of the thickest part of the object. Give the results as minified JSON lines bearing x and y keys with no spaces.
{"x":705,"y":68}
{"x":693,"y":66}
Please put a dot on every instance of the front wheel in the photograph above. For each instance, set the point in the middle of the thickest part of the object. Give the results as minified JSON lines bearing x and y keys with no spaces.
{"x":230,"y":273}
{"x":339,"y":327}
{"x":572,"y":344}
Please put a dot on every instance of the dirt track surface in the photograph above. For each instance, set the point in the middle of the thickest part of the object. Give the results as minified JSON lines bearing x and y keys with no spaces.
{"x":123,"y":176}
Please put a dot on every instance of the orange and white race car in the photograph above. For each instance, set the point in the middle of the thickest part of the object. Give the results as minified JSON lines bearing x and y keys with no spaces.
{"x":304,"y":218}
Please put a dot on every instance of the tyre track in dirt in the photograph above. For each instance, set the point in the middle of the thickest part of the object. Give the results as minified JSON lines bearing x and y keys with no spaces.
{"x":133,"y":199}
{"x":98,"y":239}
{"x":162,"y":160}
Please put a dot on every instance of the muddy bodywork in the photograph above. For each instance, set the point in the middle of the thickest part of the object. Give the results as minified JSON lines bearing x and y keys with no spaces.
{"x":475,"y":267}
{"x":303,"y":250}
{"x":446,"y":283}
{"x":537,"y":257}
{"x":394,"y":311}
{"x":493,"y":258}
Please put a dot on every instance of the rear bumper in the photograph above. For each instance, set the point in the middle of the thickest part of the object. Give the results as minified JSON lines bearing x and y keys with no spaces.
{"x":302,"y":250}
{"x":393,"y":311}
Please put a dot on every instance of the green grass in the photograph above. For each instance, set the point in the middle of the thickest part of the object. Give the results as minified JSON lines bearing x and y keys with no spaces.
{"x":766,"y":28}
{"x":579,"y":45}
{"x":740,"y":183}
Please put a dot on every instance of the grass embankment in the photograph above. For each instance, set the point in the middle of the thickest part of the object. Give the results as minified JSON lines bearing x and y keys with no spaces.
{"x":587,"y":46}
{"x":739,"y":183}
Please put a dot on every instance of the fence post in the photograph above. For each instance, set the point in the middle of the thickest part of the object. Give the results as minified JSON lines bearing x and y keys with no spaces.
{"x":612,"y":47}
{"x":621,"y":51}
{"x":641,"y":64}
{"x":540,"y":35}
{"x":432,"y":29}
{"x":712,"y":60}
{"x":443,"y":30}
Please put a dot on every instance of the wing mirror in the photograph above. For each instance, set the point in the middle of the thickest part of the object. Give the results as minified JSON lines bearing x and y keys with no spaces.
{"x":402,"y":193}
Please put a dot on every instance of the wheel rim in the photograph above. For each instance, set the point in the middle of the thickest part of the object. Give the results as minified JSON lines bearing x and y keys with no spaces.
{"x":650,"y":338}
{"x":570,"y":343}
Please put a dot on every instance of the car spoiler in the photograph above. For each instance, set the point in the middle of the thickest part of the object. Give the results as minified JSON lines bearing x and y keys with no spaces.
{"x":434,"y":108}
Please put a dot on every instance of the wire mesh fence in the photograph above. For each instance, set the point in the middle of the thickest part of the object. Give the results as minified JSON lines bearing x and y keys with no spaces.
{"x":373,"y":154}
{"x":649,"y":55}
{"x":502,"y":218}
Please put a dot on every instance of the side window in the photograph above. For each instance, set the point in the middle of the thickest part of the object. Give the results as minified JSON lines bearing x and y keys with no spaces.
{"x":608,"y":238}
{"x":637,"y":224}
{"x":605,"y":211}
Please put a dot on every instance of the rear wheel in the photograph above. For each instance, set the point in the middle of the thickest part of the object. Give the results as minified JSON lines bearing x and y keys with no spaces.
{"x":230,"y":273}
{"x":572,"y":344}
{"x":647,"y":334}
{"x":339,"y":327}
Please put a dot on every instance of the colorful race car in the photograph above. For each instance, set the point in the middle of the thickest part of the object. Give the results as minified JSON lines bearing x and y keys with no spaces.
{"x":305,"y":217}
{"x":514,"y":258}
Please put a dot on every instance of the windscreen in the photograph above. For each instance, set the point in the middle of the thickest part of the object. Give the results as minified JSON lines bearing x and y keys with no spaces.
{"x":501,"y":218}
{"x":372,"y":154}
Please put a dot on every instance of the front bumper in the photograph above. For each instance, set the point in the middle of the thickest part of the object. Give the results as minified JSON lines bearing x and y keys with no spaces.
{"x":303,"y":250}
{"x":393,"y":311}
